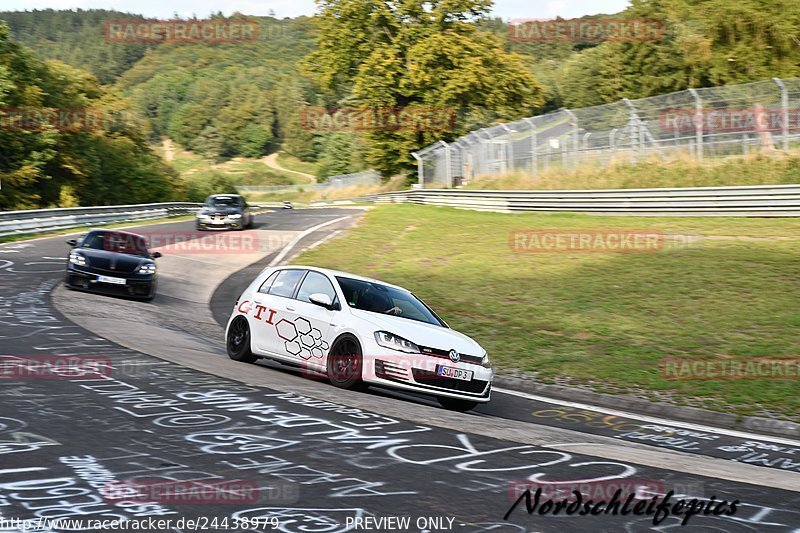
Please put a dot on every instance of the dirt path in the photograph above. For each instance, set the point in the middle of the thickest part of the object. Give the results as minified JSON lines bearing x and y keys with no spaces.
{"x":272,"y":161}
{"x":169,"y":151}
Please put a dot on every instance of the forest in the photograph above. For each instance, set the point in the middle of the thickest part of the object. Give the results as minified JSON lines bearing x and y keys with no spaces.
{"x":246,"y":98}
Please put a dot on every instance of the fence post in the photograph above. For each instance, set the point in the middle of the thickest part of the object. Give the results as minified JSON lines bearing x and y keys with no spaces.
{"x":534,"y":147}
{"x":784,"y":113}
{"x":484,"y":147}
{"x":448,"y":168}
{"x":633,"y":127}
{"x":420,"y":169}
{"x":575,"y":141}
{"x":509,"y":148}
{"x":698,"y":124}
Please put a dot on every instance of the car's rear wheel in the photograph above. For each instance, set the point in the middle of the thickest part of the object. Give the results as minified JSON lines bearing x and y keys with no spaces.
{"x":238,"y":341}
{"x":455,"y":404}
{"x":344,"y":363}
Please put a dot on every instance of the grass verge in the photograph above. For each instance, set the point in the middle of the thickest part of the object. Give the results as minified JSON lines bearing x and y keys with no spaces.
{"x":758,"y":169}
{"x":602,"y":321}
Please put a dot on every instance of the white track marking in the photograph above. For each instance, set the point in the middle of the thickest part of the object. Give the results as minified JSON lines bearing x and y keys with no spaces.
{"x":300,"y":236}
{"x":651,"y":419}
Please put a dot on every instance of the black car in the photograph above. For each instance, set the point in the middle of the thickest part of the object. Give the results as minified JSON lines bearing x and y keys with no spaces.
{"x":224,"y":211}
{"x":112,"y":261}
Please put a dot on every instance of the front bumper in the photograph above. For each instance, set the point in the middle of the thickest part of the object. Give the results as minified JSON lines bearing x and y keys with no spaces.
{"x":136,"y":285}
{"x":219,"y":223}
{"x":418,"y":373}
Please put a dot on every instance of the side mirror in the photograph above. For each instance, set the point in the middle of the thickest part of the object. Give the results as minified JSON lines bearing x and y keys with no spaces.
{"x":72,"y":242}
{"x":322,"y":300}
{"x":156,"y":255}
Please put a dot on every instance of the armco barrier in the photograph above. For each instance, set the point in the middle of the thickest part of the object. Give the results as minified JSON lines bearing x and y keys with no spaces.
{"x":43,"y":220}
{"x":746,"y":201}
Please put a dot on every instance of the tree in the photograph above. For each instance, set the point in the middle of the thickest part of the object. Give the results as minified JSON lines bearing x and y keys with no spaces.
{"x":103,"y":162}
{"x":417,"y":54}
{"x":336,"y":156}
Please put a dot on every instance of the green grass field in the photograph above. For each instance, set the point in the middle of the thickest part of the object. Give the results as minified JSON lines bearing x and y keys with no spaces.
{"x":292,"y":163}
{"x":599,"y":320}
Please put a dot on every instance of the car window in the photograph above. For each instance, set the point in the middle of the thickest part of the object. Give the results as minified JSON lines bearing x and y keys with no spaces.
{"x":222,"y":201}
{"x":285,"y":283}
{"x":379,"y":298}
{"x":268,"y":283}
{"x":315,"y":283}
{"x":121,"y":243}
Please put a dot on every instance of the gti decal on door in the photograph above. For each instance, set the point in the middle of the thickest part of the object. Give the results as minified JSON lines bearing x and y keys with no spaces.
{"x":300,"y":337}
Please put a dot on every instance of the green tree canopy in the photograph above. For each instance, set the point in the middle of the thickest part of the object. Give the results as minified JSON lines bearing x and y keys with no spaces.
{"x":417,"y":54}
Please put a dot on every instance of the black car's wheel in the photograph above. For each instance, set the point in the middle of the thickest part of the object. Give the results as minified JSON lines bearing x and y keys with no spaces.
{"x":344,"y":363}
{"x":238,"y":341}
{"x":456,"y":405}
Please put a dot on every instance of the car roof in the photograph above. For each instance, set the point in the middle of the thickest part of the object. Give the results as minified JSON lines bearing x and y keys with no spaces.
{"x":224,"y":195}
{"x":111,"y":230}
{"x":334,"y":273}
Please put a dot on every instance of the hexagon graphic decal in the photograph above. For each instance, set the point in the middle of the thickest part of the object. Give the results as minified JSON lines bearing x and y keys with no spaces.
{"x":307,"y":340}
{"x":303,"y":326}
{"x":293,"y":347}
{"x":286,"y":330}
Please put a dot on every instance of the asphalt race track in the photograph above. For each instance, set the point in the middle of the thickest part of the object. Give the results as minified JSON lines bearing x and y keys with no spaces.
{"x":170,"y":406}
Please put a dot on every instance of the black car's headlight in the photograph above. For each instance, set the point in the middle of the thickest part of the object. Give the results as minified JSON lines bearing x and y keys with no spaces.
{"x":147,"y":268}
{"x":235,"y":215}
{"x":394,"y":342}
{"x":77,"y":258}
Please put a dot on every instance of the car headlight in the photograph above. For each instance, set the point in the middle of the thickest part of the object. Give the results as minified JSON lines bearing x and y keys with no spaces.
{"x":77,"y":259}
{"x":485,"y":361}
{"x":392,"y":341}
{"x":235,"y":216}
{"x":148,"y":268}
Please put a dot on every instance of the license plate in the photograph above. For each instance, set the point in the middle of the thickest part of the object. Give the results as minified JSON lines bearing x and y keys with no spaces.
{"x":455,"y":373}
{"x":218,"y":220}
{"x":109,"y":279}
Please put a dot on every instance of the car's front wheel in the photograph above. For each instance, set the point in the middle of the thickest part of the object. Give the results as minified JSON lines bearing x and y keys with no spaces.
{"x":238,"y":341}
{"x":456,"y":405}
{"x":344,"y":363}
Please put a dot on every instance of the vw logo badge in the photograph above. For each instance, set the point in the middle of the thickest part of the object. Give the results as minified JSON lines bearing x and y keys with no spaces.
{"x":454,"y":356}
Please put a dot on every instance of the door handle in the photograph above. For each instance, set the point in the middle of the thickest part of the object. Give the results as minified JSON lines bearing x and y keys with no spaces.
{"x":258,"y":301}
{"x":289,"y":308}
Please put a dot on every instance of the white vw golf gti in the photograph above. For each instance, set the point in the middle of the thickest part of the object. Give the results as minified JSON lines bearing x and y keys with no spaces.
{"x":357,"y":331}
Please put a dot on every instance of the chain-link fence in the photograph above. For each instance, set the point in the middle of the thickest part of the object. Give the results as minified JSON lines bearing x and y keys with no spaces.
{"x":697,"y":123}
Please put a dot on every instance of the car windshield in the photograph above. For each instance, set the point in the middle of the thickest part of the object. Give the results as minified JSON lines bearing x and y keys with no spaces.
{"x":110,"y":241}
{"x":222,"y":201}
{"x":378,"y":298}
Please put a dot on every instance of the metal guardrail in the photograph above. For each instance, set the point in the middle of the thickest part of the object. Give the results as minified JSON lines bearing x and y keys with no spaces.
{"x":44,"y":220}
{"x":747,"y":201}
